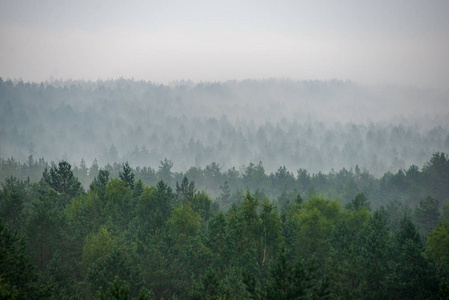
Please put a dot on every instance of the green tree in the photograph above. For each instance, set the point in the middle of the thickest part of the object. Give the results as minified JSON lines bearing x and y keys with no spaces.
{"x":202,"y":204}
{"x":99,"y":183}
{"x":61,"y":179}
{"x":127,"y":176}
{"x":217,"y":238}
{"x":358,"y":202}
{"x":427,"y":214}
{"x":271,"y":231}
{"x":208,"y":286}
{"x":164,"y":173}
{"x":224,"y":199}
{"x":138,"y":189}
{"x":185,"y":192}
{"x":42,"y":228}
{"x":288,"y":281}
{"x":412,"y":275}
{"x":117,"y":290}
{"x":184,"y":221}
{"x":315,"y":220}
{"x":18,"y":277}
{"x":345,"y":259}
{"x":12,"y":198}
{"x":120,"y":204}
{"x":438,"y":244}
{"x":250,"y":222}
{"x":154,"y":208}
{"x":97,"y":245}
{"x":376,"y":244}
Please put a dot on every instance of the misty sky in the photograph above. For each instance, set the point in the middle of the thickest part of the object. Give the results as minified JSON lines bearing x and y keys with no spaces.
{"x":399,"y":42}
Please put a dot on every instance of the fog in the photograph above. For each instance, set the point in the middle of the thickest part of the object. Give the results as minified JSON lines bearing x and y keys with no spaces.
{"x":314,"y":125}
{"x":319,"y":85}
{"x":395,"y":42}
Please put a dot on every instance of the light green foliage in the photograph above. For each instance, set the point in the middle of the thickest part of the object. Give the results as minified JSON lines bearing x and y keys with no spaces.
{"x":97,"y":245}
{"x":316,"y":219}
{"x":87,"y":208}
{"x":120,"y":204}
{"x":437,"y":245}
{"x":117,"y":195}
{"x":184,"y":221}
{"x":445,"y":213}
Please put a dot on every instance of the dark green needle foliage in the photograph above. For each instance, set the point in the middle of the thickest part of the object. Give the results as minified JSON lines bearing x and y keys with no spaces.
{"x":127,"y":176}
{"x":128,"y":239}
{"x":117,"y":290}
{"x":61,"y":179}
{"x":18,"y":276}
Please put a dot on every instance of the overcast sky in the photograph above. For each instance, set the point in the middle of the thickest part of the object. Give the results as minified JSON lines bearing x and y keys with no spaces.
{"x":398,"y":42}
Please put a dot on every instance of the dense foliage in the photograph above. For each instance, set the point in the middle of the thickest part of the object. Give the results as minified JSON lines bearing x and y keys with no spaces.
{"x":121,"y":232}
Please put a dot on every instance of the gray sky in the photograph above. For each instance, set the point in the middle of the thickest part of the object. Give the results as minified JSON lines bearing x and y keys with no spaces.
{"x":399,"y":42}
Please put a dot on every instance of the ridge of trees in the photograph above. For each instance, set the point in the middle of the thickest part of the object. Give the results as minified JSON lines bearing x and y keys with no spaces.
{"x":124,"y":239}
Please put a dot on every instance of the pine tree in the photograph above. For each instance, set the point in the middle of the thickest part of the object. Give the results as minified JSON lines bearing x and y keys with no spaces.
{"x":18,"y":277}
{"x":412,"y":275}
{"x":127,"y":176}
{"x":185,"y":192}
{"x":61,"y":179}
{"x":427,"y":214}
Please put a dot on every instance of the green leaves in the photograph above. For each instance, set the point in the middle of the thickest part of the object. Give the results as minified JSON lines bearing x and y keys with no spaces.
{"x":184,"y":222}
{"x":438,"y":244}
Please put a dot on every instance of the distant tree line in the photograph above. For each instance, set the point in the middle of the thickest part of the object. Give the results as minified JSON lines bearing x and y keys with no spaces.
{"x":407,"y":186}
{"x":277,"y":122}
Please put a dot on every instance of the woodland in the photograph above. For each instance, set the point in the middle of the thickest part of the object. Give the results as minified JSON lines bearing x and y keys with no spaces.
{"x":255,"y":189}
{"x":138,"y":233}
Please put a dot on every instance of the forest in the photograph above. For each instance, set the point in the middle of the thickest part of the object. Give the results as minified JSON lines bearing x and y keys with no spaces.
{"x":313,"y":125}
{"x":117,"y":232}
{"x":224,"y":149}
{"x":253,"y":189}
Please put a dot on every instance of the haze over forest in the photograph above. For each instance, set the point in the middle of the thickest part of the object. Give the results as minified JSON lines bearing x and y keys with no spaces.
{"x":315,"y":125}
{"x":317,"y":85}
{"x":224,"y":149}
